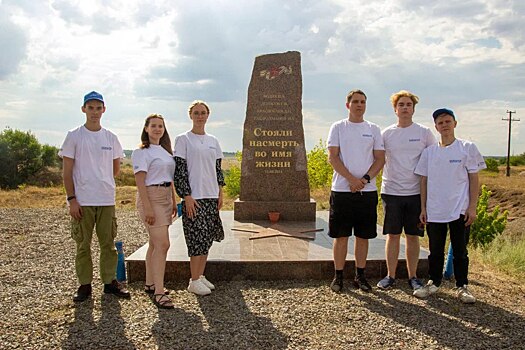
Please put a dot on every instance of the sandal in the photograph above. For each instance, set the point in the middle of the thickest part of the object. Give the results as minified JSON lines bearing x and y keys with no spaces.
{"x":164,"y":301}
{"x":150,"y":289}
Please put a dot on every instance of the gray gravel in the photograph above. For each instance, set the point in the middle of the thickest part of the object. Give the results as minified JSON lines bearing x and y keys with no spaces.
{"x":37,"y":281}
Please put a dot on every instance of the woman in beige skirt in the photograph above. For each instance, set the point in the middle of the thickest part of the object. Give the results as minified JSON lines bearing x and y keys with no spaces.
{"x":154,"y":167}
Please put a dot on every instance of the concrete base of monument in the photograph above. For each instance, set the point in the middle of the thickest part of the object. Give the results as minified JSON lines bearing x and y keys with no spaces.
{"x":289,"y":211}
{"x":238,"y":257}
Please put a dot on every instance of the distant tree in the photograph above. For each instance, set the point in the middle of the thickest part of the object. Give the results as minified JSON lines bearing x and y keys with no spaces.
{"x":8,"y":166}
{"x":514,"y":160}
{"x":50,"y":156}
{"x":22,"y":156}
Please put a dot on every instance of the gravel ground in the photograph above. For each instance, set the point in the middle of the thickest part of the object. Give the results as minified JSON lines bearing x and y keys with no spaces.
{"x":37,"y":281}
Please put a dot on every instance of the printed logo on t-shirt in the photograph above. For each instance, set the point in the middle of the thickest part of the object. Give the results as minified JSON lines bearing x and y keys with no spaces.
{"x":455,"y":160}
{"x":136,"y":167}
{"x":106,"y":148}
{"x":367,"y":135}
{"x":414,"y":140}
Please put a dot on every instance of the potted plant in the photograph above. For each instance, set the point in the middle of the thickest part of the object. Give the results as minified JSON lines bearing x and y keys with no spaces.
{"x":273,"y":216}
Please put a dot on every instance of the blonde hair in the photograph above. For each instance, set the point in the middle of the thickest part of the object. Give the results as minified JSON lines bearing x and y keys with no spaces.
{"x":198,"y":102}
{"x":403,"y":93}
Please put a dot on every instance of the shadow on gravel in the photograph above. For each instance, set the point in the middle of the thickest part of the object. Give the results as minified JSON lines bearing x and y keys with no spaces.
{"x":228,"y":324}
{"x":178,"y":329}
{"x":451,"y":324}
{"x":233,"y":326}
{"x":108,"y":332}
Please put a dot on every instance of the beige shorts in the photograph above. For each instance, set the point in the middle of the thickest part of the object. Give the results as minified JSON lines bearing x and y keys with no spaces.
{"x":162,"y":203}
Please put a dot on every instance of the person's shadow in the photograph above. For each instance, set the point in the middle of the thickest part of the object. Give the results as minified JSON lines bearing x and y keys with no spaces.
{"x":450,"y":323}
{"x":83,"y":326}
{"x":108,"y":333}
{"x":233,"y":326}
{"x":178,"y":329}
{"x":227,"y":324}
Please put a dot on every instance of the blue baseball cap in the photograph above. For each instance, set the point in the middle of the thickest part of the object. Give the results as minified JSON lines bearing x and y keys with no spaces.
{"x":441,"y":111}
{"x":93,"y":95}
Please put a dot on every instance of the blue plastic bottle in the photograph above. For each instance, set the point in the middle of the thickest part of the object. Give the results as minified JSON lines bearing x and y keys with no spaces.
{"x":121,"y":263}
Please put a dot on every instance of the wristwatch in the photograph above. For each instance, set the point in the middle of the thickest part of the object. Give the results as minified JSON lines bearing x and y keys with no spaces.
{"x":366,"y":177}
{"x":70,"y":198}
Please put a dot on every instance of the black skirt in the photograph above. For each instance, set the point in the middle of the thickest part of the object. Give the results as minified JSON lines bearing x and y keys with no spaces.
{"x":204,"y":228}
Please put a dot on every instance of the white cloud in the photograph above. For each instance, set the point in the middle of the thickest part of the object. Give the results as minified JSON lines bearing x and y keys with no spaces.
{"x":13,"y":43}
{"x":158,"y":55}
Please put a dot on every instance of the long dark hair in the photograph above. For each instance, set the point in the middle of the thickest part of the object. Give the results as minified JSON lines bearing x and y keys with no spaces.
{"x":164,"y":141}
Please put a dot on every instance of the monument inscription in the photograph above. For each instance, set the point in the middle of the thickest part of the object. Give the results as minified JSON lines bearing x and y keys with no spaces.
{"x":274,"y":175}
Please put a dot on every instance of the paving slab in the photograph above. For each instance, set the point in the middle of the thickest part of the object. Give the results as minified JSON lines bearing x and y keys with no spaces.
{"x":241,"y":257}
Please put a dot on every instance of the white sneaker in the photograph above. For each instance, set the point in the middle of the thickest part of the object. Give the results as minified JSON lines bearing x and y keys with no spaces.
{"x":206,"y":282}
{"x":421,"y":293}
{"x":198,"y":287}
{"x":465,"y":295}
{"x":431,"y":287}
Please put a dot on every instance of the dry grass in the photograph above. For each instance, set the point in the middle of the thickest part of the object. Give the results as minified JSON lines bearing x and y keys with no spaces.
{"x":33,"y":197}
{"x":55,"y":197}
{"x":227,"y":162}
{"x":507,"y":192}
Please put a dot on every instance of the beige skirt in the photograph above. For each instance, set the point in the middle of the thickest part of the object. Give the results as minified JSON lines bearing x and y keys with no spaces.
{"x":162,"y":204}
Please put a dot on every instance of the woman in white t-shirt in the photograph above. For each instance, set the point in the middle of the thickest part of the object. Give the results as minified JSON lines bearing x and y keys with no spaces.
{"x":154,"y":167}
{"x":199,"y":181}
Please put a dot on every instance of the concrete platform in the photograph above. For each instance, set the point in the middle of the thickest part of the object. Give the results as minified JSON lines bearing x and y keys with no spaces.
{"x":238,"y":257}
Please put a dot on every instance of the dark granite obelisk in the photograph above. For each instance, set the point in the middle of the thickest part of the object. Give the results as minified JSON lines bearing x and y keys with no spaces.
{"x":274,"y":175}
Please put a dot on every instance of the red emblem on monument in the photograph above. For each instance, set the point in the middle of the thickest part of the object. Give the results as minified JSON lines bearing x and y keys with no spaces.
{"x":274,"y":72}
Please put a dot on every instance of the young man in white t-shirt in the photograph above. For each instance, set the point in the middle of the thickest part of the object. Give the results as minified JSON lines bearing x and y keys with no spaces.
{"x":400,"y":189}
{"x":91,"y":158}
{"x":356,"y":152}
{"x":449,"y":196}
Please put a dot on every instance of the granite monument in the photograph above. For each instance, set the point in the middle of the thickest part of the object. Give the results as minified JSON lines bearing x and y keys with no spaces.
{"x":274,"y":175}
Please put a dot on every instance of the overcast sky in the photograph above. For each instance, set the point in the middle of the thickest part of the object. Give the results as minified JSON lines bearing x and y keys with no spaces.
{"x":156,"y":56}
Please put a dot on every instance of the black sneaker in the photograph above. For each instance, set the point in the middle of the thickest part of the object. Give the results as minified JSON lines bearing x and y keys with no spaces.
{"x":115,"y":289}
{"x":83,"y":292}
{"x":361,"y":283}
{"x":337,"y":284}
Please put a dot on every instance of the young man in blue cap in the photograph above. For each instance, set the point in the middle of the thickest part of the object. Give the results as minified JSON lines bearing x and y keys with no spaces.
{"x":449,"y":196}
{"x":91,"y":158}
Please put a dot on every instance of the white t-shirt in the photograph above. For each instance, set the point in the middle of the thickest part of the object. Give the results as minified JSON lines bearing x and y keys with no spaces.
{"x":93,"y":152}
{"x":447,"y":169}
{"x":403,"y":148}
{"x":201,"y":153}
{"x":356,"y":142}
{"x":156,"y":162}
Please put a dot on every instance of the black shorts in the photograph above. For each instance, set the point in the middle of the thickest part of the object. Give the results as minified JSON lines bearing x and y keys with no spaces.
{"x":357,"y":211}
{"x":402,"y":213}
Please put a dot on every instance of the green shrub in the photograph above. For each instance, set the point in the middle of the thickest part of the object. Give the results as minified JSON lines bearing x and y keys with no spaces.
{"x":232,"y":177}
{"x":492,"y":165}
{"x":22,"y":157}
{"x":319,"y":170}
{"x":514,"y":160}
{"x":487,"y":225}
